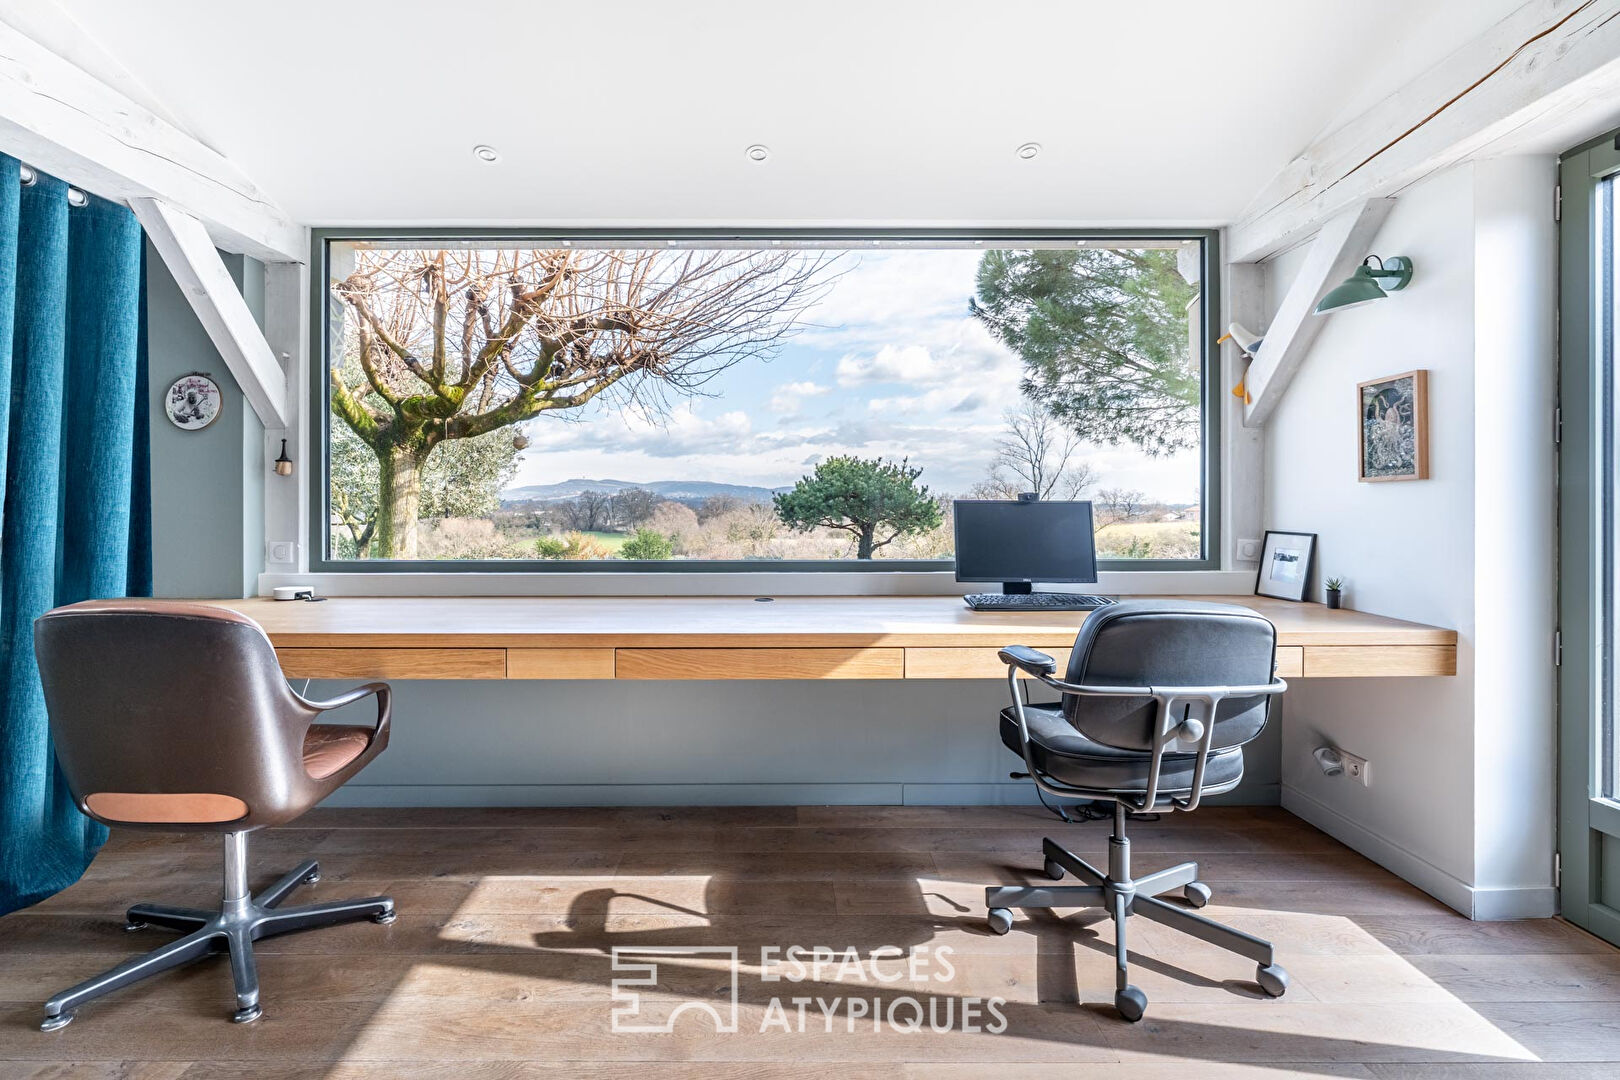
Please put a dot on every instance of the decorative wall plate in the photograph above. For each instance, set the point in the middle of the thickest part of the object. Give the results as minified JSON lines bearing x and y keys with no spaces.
{"x":193,"y":402}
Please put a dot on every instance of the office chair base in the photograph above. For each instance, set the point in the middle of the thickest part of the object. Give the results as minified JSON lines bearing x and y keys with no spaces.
{"x":240,"y":920}
{"x":1123,"y":896}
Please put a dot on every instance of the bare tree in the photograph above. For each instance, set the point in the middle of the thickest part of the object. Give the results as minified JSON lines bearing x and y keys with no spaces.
{"x":1121,"y":504}
{"x":1036,"y":453}
{"x":716,"y":505}
{"x":440,"y":345}
{"x":632,"y":506}
{"x":589,"y":511}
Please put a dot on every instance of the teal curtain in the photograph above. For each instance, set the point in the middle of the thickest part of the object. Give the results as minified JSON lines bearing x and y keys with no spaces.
{"x":75,"y":520}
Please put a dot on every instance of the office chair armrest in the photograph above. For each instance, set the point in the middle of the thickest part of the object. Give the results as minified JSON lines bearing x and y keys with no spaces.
{"x":1028,"y":660}
{"x":383,"y":692}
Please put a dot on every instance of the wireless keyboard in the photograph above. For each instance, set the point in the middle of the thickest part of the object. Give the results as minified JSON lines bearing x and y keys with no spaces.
{"x":1041,"y":601}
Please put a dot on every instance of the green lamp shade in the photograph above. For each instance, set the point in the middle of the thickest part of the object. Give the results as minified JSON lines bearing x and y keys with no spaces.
{"x":1359,"y":288}
{"x":1367,"y":283}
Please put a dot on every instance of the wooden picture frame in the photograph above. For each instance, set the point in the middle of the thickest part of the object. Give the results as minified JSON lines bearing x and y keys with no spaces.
{"x":1286,"y":562}
{"x":1392,"y":428}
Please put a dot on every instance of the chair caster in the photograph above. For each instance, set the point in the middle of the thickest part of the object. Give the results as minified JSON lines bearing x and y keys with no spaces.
{"x":313,"y":876}
{"x":383,"y":918}
{"x":1054,"y":871}
{"x":1272,"y":978}
{"x":1000,"y":920}
{"x":247,"y":1015}
{"x":1196,"y":893}
{"x":57,"y":1022}
{"x":134,"y":926}
{"x":1131,"y":1003}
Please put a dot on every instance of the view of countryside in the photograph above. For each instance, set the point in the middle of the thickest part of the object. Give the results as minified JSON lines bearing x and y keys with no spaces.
{"x":768,"y":400}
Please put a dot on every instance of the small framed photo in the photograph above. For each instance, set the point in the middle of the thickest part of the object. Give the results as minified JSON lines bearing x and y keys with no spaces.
{"x":1285,"y":565}
{"x":1394,"y":427}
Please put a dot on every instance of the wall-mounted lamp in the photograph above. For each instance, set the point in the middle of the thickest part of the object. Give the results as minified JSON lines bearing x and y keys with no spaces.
{"x":283,"y":463}
{"x":1368,"y":283}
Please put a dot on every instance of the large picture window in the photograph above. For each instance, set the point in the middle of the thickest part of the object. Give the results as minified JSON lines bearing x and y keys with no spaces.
{"x":707,"y":402}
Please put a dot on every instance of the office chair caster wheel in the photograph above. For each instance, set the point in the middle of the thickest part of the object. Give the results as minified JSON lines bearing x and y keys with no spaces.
{"x":1000,"y":920}
{"x":1196,"y":893}
{"x":134,"y":926}
{"x":1054,"y":871}
{"x":383,"y":918}
{"x":247,"y":1015}
{"x":1273,"y":979}
{"x":1131,"y":1003}
{"x":57,"y":1022}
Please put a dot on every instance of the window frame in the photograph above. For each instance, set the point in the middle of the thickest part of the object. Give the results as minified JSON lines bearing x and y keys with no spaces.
{"x":320,"y":560}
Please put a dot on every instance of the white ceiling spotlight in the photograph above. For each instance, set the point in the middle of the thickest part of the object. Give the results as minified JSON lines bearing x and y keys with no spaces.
{"x":758,"y":152}
{"x":486,"y":153}
{"x":1028,"y":151}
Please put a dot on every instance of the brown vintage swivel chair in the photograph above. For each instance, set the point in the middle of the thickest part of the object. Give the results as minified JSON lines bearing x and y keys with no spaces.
{"x":176,"y":716}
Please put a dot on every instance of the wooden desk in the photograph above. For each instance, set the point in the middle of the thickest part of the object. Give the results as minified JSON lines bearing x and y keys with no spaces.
{"x":727,"y":637}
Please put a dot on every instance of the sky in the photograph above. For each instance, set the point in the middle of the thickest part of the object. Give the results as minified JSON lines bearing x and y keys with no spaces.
{"x":889,"y":363}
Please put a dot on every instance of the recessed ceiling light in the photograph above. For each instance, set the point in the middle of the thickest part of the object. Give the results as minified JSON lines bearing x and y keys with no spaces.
{"x":486,"y":153}
{"x":1029,"y":150}
{"x":758,"y":152}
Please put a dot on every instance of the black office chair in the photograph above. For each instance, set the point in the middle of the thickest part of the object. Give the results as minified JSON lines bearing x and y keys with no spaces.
{"x":1159,"y":699}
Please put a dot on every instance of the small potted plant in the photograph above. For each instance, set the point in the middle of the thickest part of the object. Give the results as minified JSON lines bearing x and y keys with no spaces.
{"x":1335,"y":592}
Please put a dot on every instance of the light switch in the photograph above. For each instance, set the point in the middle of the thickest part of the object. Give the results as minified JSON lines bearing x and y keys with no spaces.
{"x":282,"y":551}
{"x":1248,"y":551}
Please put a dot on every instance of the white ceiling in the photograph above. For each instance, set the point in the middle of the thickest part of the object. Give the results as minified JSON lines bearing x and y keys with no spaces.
{"x":366,"y":111}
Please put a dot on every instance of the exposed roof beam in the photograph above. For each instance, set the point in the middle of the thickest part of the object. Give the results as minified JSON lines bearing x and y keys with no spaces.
{"x":1338,"y":247}
{"x":1547,"y":59}
{"x":190,"y":255}
{"x":66,"y":122}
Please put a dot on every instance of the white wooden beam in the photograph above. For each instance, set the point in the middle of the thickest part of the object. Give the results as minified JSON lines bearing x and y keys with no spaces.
{"x":1243,"y":457}
{"x":1342,"y":243}
{"x":66,"y":122}
{"x":189,"y":253}
{"x":1548,"y":60}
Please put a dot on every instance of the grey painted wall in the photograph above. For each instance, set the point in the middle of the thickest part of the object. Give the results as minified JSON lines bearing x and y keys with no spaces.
{"x":583,"y":743}
{"x":208,"y":485}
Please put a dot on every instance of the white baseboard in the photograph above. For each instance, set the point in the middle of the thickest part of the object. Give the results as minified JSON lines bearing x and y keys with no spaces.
{"x":1526,"y":902}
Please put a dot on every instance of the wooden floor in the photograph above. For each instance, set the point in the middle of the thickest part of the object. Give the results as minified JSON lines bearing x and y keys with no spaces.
{"x":499,"y":965}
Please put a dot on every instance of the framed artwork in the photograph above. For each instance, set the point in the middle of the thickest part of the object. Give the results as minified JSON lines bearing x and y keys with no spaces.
{"x":192,"y":402}
{"x":1285,"y":565}
{"x":1394,"y":427}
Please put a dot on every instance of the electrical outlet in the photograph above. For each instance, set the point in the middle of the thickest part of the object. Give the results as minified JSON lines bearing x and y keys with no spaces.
{"x":281,"y":551}
{"x":1248,"y":551}
{"x":1356,"y":768}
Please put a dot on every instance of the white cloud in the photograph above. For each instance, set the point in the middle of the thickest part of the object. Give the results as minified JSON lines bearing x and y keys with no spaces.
{"x":789,"y":397}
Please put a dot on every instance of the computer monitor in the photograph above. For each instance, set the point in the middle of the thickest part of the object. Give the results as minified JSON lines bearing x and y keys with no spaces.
{"x":1018,"y":543}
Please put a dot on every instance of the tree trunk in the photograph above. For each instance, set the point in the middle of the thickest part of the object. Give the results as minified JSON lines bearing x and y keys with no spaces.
{"x":863,"y":548}
{"x":398,"y":502}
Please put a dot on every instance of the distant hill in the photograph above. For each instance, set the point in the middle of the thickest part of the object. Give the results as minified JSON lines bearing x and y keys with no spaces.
{"x":674,"y":490}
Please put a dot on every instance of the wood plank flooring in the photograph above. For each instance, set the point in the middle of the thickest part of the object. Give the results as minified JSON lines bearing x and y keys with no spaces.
{"x":500,"y":964}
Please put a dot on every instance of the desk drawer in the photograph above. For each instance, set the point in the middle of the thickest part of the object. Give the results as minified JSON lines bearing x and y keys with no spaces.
{"x":393,"y":663}
{"x":1291,"y":661}
{"x":1352,"y":661}
{"x":559,"y":663}
{"x":760,"y":663}
{"x":955,"y":663}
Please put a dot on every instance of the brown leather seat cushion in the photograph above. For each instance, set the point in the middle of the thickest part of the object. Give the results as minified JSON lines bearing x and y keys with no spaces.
{"x":329,"y":747}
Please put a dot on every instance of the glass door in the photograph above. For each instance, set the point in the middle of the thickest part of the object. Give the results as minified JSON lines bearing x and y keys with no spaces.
{"x":1589,"y":539}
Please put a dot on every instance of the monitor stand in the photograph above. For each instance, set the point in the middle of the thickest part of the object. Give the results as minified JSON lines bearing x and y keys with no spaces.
{"x":1017,"y":588}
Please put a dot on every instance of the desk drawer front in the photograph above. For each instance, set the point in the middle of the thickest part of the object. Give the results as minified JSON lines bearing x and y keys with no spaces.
{"x":393,"y":663}
{"x":948,"y":663}
{"x":1356,"y":661}
{"x":760,"y":663}
{"x":559,"y":663}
